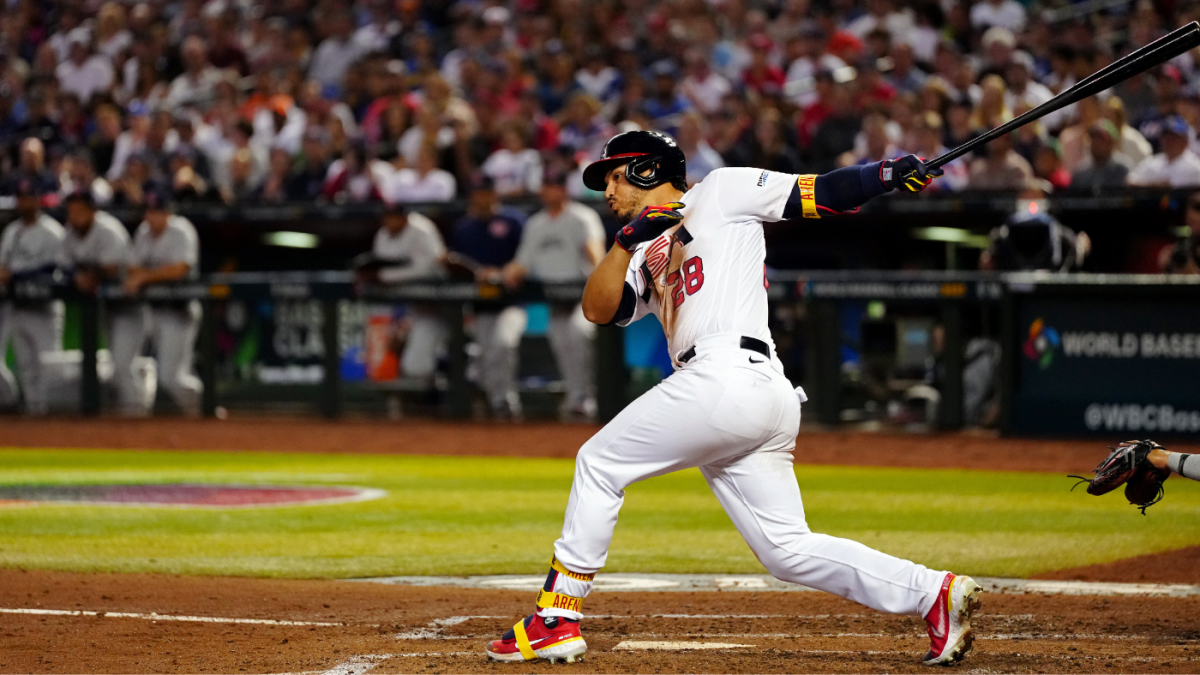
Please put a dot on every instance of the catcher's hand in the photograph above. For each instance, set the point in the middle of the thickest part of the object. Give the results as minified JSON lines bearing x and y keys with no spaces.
{"x":1128,"y":465}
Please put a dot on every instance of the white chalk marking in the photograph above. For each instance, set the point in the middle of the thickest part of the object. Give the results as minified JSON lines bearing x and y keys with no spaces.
{"x":358,"y":665}
{"x":634,"y":645}
{"x":435,"y":630}
{"x":160,"y":617}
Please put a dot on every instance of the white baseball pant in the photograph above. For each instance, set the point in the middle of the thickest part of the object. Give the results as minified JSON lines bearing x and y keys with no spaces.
{"x":499,"y":336}
{"x":126,"y":334}
{"x":737,"y":421}
{"x":173,"y":333}
{"x":570,"y":336}
{"x":426,"y":333}
{"x":33,"y":330}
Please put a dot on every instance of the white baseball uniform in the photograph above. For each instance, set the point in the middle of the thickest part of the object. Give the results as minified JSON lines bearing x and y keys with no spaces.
{"x":171,"y":326}
{"x":106,"y":243}
{"x":417,"y":252}
{"x":34,"y":327}
{"x":726,"y":409}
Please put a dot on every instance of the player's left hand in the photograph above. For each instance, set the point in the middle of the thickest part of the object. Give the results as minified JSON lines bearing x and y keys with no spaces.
{"x":907,"y":173}
{"x":650,"y":224}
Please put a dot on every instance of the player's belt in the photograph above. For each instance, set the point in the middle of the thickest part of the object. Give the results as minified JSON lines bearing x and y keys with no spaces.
{"x":753,"y":344}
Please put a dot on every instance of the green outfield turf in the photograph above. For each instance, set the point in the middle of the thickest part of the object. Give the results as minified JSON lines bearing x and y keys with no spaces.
{"x":453,"y":515}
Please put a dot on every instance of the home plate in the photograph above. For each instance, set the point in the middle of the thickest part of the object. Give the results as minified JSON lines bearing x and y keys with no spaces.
{"x":632,"y":645}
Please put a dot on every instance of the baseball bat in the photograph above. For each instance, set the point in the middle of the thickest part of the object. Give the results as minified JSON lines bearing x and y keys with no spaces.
{"x":1156,"y":53}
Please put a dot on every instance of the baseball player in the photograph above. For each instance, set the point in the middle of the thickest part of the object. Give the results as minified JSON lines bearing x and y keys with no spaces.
{"x":562,"y":243}
{"x":165,"y":249}
{"x":695,"y":259}
{"x":95,"y":250}
{"x":409,"y":248}
{"x":28,"y":247}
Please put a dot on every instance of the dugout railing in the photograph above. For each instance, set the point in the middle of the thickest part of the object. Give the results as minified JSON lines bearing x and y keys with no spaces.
{"x":1120,"y":347}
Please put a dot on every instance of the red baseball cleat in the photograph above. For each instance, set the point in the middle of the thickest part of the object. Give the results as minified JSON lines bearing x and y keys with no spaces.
{"x":535,"y":637}
{"x":949,"y":622}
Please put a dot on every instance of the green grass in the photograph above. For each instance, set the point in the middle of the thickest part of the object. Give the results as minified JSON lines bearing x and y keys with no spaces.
{"x":456,"y":515}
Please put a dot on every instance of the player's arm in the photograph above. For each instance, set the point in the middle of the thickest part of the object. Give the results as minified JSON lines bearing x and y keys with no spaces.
{"x":606,"y":290}
{"x":846,"y":189}
{"x":608,"y":297}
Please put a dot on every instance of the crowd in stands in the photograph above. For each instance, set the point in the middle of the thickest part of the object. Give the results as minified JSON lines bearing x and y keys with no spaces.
{"x":271,"y":101}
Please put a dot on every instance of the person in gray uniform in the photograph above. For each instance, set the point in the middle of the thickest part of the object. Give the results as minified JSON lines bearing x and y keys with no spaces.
{"x":95,"y":250}
{"x":408,"y":247}
{"x":29,"y":247}
{"x":165,"y":250}
{"x":562,"y":244}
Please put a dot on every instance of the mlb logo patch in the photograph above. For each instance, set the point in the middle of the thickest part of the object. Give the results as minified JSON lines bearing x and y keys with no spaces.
{"x":887,"y":174}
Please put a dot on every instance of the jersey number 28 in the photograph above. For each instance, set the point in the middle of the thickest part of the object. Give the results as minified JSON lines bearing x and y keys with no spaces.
{"x":687,"y":279}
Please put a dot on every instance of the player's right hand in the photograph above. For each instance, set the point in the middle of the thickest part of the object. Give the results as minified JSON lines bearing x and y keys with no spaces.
{"x":649,"y":224}
{"x":907,"y":173}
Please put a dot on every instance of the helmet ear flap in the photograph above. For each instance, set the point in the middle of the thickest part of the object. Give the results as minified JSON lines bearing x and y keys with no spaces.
{"x":634,"y":169}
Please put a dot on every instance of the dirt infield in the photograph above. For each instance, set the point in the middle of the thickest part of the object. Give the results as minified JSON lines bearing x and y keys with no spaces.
{"x":407,"y":629}
{"x":966,"y":450}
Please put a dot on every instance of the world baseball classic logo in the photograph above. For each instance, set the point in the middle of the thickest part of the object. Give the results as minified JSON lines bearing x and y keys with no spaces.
{"x":1042,"y":343}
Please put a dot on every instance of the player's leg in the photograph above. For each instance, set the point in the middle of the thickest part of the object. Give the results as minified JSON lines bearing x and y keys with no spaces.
{"x":33,"y":333}
{"x":8,"y":383}
{"x":174,"y":334}
{"x":500,"y":335}
{"x":126,"y":333}
{"x":570,"y":337}
{"x":666,"y":429}
{"x":760,"y":493}
{"x":425,"y":336}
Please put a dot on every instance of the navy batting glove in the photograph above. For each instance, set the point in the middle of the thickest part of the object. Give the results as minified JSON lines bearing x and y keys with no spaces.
{"x":650,"y":223}
{"x":907,"y":173}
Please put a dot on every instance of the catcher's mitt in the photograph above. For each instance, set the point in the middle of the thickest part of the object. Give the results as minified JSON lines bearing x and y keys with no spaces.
{"x":1128,"y":465}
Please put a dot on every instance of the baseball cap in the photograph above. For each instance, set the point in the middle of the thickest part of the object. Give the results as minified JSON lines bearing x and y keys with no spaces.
{"x":24,"y":184}
{"x":158,"y":196}
{"x":554,"y":175}
{"x":84,"y":196}
{"x":1105,"y":127}
{"x":1175,"y":124}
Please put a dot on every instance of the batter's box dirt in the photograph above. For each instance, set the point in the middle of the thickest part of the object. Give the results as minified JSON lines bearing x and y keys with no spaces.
{"x":149,"y":624}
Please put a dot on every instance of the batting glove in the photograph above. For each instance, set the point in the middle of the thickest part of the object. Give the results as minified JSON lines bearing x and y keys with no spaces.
{"x":650,"y":223}
{"x":907,"y":173}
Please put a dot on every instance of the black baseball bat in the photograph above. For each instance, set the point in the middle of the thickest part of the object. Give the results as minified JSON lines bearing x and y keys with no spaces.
{"x":1156,"y":53}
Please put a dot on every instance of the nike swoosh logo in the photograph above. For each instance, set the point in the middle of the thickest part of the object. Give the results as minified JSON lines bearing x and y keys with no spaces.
{"x":534,"y":642}
{"x":940,"y":628}
{"x":753,"y":361}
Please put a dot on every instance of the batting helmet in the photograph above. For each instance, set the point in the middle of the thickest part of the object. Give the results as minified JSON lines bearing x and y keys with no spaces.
{"x":639,"y":151}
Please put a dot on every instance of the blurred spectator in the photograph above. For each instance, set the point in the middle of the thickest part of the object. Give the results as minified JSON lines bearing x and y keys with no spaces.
{"x":703,"y":86}
{"x":666,"y":104}
{"x":78,"y":174}
{"x":334,"y":56}
{"x":1075,"y":138}
{"x":835,"y":134}
{"x":424,"y":182}
{"x":1102,"y":171}
{"x":583,"y":129}
{"x":927,"y":132}
{"x":485,"y":239}
{"x":194,"y":87}
{"x":761,"y":76}
{"x":878,"y":146}
{"x":809,"y":57}
{"x":32,"y":163}
{"x":349,"y":178}
{"x":562,"y":244}
{"x":1132,"y":144}
{"x":1183,"y":257}
{"x":558,"y":80}
{"x":1176,"y":165}
{"x":1048,"y":166}
{"x":882,"y":14}
{"x":514,"y":168}
{"x":1001,"y":169}
{"x":1022,"y":88}
{"x":991,"y":110}
{"x":84,"y":73}
{"x":599,"y":79}
{"x":428,"y":129}
{"x":905,"y":76}
{"x":701,"y":158}
{"x":1003,"y":13}
{"x":274,"y":189}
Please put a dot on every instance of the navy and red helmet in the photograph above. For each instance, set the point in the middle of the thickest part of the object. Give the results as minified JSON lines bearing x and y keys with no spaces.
{"x":639,"y":150}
